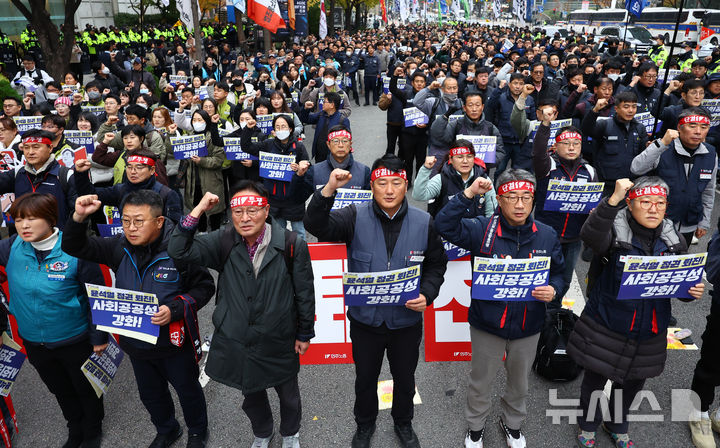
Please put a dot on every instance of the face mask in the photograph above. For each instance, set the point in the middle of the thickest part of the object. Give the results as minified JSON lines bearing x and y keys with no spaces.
{"x":412,"y":70}
{"x":144,"y":91}
{"x":572,"y":67}
{"x":105,"y":71}
{"x":441,"y":80}
{"x":348,"y":53}
{"x":243,"y":124}
{"x":614,"y":76}
{"x":449,"y":97}
{"x":199,"y":126}
{"x":93,"y":94}
{"x":282,"y":135}
{"x":52,"y":95}
{"x":143,"y":105}
{"x":329,"y":82}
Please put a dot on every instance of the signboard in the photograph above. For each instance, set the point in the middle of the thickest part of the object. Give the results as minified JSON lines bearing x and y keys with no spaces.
{"x":100,"y":370}
{"x":484,"y":146}
{"x":572,"y":197}
{"x":555,"y":126}
{"x":651,"y":277}
{"x":26,"y":123}
{"x":382,"y":288}
{"x":11,"y":360}
{"x":276,"y":166}
{"x":188,"y":146}
{"x":124,"y":312}
{"x":508,"y":279}
{"x":233,"y":150}
{"x":414,"y":116}
{"x":348,"y":196}
{"x":82,"y":138}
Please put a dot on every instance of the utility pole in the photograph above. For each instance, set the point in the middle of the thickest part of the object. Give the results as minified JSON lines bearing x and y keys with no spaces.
{"x":199,"y":47}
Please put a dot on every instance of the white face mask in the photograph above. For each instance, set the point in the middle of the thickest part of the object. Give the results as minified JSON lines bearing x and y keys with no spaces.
{"x":143,"y":105}
{"x":412,"y":70}
{"x":283,"y":134}
{"x":199,"y":126}
{"x":52,"y":95}
{"x":243,"y":124}
{"x":348,"y":53}
{"x":329,"y":82}
{"x":614,"y":76}
{"x":441,"y":80}
{"x":105,"y":71}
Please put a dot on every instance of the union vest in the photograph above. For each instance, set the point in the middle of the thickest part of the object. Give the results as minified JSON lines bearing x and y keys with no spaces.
{"x":452,"y":184}
{"x":321,"y":174}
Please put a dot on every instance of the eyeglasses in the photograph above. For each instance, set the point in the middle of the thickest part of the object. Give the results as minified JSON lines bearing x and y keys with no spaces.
{"x":464,"y":157}
{"x":138,"y":223}
{"x":513,"y":198}
{"x":252,"y":212}
{"x":136,"y":167}
{"x":645,"y":205}
{"x":649,"y":76}
{"x":337,"y":141}
{"x":570,"y":144}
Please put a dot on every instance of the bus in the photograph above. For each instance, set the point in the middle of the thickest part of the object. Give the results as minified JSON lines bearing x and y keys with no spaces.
{"x":710,"y":30}
{"x":589,"y":21}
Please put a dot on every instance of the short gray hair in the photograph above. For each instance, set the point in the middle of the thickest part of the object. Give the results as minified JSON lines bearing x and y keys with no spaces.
{"x":515,"y":174}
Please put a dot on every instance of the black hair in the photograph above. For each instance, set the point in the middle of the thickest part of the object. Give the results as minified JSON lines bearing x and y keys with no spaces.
{"x":474,"y":93}
{"x":113,"y":96}
{"x":247,"y":184}
{"x":92,"y":118}
{"x":625,"y":97}
{"x":145,"y":197}
{"x":646,"y":67}
{"x":515,"y":76}
{"x":288,"y":119}
{"x":547,"y":101}
{"x":262,"y":101}
{"x":135,"y":129}
{"x":389,"y":161}
{"x":334,"y":98}
{"x":692,"y":84}
{"x":329,"y":71}
{"x":138,"y":111}
{"x":222,"y":86}
{"x":338,"y":127}
{"x":569,"y":128}
{"x":92,"y":84}
{"x":57,"y":120}
{"x":38,"y":133}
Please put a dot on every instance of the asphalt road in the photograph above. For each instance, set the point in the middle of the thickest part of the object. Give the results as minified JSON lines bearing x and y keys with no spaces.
{"x":327,"y":391}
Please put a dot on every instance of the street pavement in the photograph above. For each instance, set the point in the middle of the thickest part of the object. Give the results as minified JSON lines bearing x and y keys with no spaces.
{"x":327,"y":390}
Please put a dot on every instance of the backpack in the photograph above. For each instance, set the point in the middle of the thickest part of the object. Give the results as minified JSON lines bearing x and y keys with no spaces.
{"x":551,"y":360}
{"x":227,"y":240}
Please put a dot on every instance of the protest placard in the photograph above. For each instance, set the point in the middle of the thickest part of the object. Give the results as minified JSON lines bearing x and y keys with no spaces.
{"x":572,"y":197}
{"x":189,"y":145}
{"x":555,"y":126}
{"x":26,"y":123}
{"x":414,"y":116}
{"x":175,"y":80}
{"x":264,"y":123}
{"x":508,"y":279}
{"x":82,"y":138}
{"x":648,"y":120}
{"x":276,"y":166}
{"x":381,"y":288}
{"x":233,"y":150}
{"x":654,"y":277}
{"x":11,"y":360}
{"x":124,"y":312}
{"x":454,"y":252}
{"x":714,"y":107}
{"x":484,"y":146}
{"x":100,"y":370}
{"x":348,"y":196}
{"x":96,"y":110}
{"x":110,"y":230}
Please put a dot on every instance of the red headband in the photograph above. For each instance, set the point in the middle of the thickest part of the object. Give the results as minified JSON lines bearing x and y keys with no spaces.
{"x":142,"y":160}
{"x":248,"y":200}
{"x":516,"y":185}
{"x":460,"y":150}
{"x":340,"y":133}
{"x":655,"y":190}
{"x":43,"y":140}
{"x":566,"y":135}
{"x":384,"y":172}
{"x":693,"y":119}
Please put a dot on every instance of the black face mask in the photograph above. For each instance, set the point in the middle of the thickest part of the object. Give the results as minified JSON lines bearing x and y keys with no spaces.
{"x":572,"y":67}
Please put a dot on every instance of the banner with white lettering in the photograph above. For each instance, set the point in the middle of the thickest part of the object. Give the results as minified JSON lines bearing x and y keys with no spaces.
{"x":382,"y":288}
{"x":276,"y":166}
{"x":555,"y":126}
{"x":454,"y":252}
{"x":110,"y":230}
{"x":100,"y":370}
{"x":203,"y":93}
{"x":124,"y":312}
{"x":509,"y":279}
{"x":714,"y":107}
{"x":401,"y":83}
{"x":484,"y":146}
{"x":672,"y":74}
{"x":572,"y":197}
{"x":174,"y":80}
{"x":650,"y":277}
{"x":648,"y":120}
{"x":26,"y":123}
{"x":233,"y":150}
{"x":11,"y":360}
{"x":348,"y":196}
{"x":189,"y":145}
{"x":264,"y":123}
{"x":82,"y":138}
{"x":414,"y":116}
{"x":96,"y":110}
{"x":331,"y":344}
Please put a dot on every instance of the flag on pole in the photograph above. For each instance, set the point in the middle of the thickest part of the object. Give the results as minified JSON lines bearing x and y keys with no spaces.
{"x":636,"y":6}
{"x":519,"y":9}
{"x":404,"y":10}
{"x":323,"y":21}
{"x":291,"y":13}
{"x":497,"y":8}
{"x":265,"y":13}
{"x":439,"y":13}
{"x":241,"y":5}
{"x":384,"y":10}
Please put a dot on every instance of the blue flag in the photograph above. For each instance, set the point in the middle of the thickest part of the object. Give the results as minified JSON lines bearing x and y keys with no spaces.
{"x":636,"y":6}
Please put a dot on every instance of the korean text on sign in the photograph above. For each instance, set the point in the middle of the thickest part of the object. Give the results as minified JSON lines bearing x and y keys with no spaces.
{"x":96,"y":110}
{"x":484,"y":146}
{"x":381,"y":288}
{"x":572,"y":197}
{"x":414,"y":116}
{"x":26,"y":123}
{"x":233,"y":150}
{"x":714,"y":107}
{"x":190,"y":145}
{"x":347,"y":196}
{"x":648,"y":120}
{"x":555,"y":126}
{"x":508,"y":279}
{"x":661,"y":277}
{"x":124,"y":312}
{"x":276,"y":166}
{"x":82,"y":138}
{"x":101,"y":370}
{"x":11,"y":360}
{"x":454,"y":252}
{"x":264,"y":123}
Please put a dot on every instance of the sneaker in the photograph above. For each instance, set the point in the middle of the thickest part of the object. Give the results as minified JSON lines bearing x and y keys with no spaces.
{"x":197,"y":440}
{"x":260,"y":442}
{"x":513,"y":437}
{"x":362,"y":436}
{"x":165,"y":440}
{"x":408,"y":438}
{"x":621,"y":440}
{"x":470,"y":443}
{"x":292,"y":441}
{"x":586,"y":439}
{"x":715,"y":422}
{"x":701,"y":431}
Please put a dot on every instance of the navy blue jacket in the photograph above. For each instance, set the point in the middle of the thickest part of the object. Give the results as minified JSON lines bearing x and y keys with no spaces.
{"x":615,"y":145}
{"x":498,"y":110}
{"x":508,"y":320}
{"x":324,"y":123}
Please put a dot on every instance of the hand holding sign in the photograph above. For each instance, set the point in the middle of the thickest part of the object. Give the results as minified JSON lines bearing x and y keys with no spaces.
{"x":162,"y":317}
{"x":418,"y":304}
{"x":544,"y":293}
{"x":622,"y":186}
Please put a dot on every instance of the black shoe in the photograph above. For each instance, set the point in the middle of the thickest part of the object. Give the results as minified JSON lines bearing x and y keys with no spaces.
{"x":92,"y":442}
{"x":197,"y":440}
{"x":165,"y":440}
{"x":408,"y":438}
{"x":362,"y":436}
{"x":374,"y":103}
{"x":357,"y":103}
{"x":73,"y":441}
{"x":366,"y":104}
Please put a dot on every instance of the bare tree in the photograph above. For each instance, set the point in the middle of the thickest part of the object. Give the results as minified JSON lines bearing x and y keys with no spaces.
{"x":56,"y":50}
